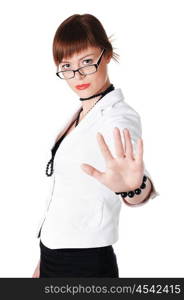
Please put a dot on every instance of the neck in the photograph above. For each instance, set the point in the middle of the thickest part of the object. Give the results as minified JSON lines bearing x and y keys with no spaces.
{"x":86,"y":105}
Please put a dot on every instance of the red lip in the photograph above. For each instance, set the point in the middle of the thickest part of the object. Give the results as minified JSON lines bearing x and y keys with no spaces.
{"x":82,"y":86}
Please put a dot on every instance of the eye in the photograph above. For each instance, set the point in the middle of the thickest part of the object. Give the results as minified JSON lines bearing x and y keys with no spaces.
{"x":88,"y":61}
{"x":66,"y":66}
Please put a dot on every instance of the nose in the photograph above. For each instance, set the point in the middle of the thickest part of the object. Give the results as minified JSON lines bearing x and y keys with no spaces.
{"x":78,"y":75}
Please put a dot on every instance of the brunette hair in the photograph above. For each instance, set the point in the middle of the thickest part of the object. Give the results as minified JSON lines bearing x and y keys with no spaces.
{"x":78,"y":32}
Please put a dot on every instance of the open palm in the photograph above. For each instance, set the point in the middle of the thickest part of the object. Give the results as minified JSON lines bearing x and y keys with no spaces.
{"x":123,"y":172}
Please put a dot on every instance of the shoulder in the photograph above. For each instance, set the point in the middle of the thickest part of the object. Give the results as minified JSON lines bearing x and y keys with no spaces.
{"x":122,"y":115}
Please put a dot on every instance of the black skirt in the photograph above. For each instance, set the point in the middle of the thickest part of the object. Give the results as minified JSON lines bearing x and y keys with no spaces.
{"x":78,"y":262}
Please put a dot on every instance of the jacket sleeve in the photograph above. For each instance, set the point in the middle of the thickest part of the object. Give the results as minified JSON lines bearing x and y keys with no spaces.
{"x":124,"y":116}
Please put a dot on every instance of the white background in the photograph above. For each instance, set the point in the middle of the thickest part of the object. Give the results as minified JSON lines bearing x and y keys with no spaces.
{"x":148,"y":35}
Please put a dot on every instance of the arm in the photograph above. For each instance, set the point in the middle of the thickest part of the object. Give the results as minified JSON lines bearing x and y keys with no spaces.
{"x":124,"y":166}
{"x":36,"y":273}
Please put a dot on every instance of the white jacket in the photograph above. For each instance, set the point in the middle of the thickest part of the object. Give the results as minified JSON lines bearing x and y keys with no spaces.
{"x":82,"y":212}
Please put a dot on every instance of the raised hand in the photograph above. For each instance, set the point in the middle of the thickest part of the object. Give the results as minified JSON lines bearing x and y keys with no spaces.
{"x":123,"y":172}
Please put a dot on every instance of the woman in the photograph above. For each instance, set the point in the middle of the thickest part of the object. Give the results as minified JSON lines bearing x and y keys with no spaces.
{"x":94,"y":161}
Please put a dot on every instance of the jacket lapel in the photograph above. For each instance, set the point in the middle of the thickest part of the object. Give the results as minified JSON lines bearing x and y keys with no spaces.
{"x":107,"y":101}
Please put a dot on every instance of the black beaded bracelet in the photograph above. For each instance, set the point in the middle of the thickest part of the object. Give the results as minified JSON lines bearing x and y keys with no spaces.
{"x":136,"y":191}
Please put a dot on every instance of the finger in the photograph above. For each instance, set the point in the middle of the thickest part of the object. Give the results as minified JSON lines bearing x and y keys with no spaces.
{"x":118,"y":143}
{"x":103,"y":147}
{"x":139,"y":156}
{"x":92,"y":171}
{"x":128,"y":144}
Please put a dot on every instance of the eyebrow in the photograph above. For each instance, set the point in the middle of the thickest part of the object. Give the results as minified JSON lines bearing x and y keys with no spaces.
{"x":79,"y":58}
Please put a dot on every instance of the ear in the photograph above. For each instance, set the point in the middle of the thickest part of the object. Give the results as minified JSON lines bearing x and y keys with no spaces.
{"x":108,"y":58}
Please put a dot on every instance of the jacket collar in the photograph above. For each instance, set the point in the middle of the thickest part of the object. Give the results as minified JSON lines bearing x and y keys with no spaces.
{"x":110,"y":99}
{"x":106,"y":102}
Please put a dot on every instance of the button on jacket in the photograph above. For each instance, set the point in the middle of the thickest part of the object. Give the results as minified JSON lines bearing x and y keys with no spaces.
{"x":81,"y":212}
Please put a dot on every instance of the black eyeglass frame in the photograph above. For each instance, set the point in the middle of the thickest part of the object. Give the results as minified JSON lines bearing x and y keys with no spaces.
{"x":78,"y":70}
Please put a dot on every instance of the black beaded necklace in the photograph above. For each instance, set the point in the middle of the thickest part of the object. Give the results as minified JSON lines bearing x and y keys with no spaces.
{"x":55,"y":147}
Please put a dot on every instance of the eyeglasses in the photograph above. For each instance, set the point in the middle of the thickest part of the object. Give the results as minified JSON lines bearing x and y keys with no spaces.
{"x":86,"y":70}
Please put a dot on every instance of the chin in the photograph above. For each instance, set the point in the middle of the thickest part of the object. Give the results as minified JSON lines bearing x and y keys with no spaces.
{"x":90,"y":91}
{"x":84,"y":93}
